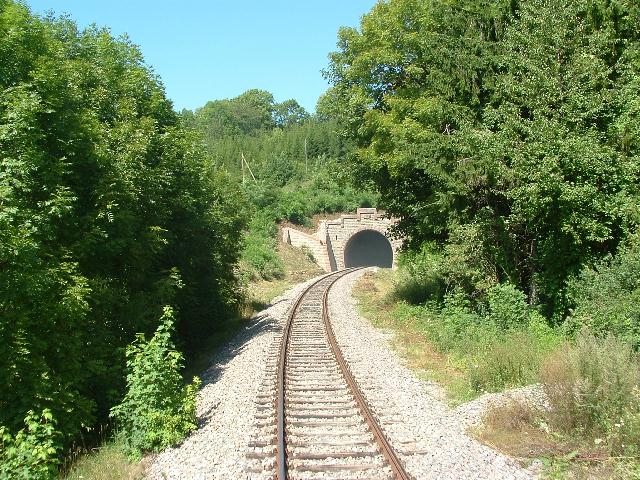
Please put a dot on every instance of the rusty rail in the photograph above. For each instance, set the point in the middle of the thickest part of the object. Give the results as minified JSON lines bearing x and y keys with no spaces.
{"x":372,"y":423}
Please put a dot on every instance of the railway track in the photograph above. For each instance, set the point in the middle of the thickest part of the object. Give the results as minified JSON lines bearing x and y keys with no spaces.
{"x":322,"y":424}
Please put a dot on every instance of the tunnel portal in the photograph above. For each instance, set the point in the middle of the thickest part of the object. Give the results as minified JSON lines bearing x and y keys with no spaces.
{"x":361,"y":239}
{"x":368,"y":248}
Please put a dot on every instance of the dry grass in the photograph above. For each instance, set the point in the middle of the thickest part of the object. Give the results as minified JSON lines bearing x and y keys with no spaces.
{"x":105,"y":463}
{"x":522,"y":433}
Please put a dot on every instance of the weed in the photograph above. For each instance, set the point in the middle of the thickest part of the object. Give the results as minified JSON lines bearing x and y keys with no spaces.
{"x":593,"y":391}
{"x":32,"y":453}
{"x":158,"y":410}
{"x":109,"y":462}
{"x":511,"y":360}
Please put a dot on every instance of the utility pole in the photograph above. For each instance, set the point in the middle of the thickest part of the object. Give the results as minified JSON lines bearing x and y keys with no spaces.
{"x":244,"y":162}
{"x":306,"y":158}
{"x":242,"y":165}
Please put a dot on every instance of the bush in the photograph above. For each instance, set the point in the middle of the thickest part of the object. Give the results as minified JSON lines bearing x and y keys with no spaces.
{"x":158,"y":410}
{"x":260,"y":257}
{"x":502,"y":349}
{"x":508,"y":306}
{"x":422,"y":277}
{"x":465,"y":263}
{"x":593,"y":389}
{"x":294,"y":207}
{"x":32,"y":453}
{"x":607,"y":296}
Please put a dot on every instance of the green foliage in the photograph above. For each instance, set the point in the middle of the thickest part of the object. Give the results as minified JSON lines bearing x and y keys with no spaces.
{"x":32,"y":453}
{"x":507,"y":361}
{"x":508,"y":306}
{"x":499,"y":343}
{"x":107,"y":212}
{"x":251,"y":113}
{"x":259,"y":256}
{"x":594,"y":390}
{"x":492,"y":355}
{"x":501,"y":130}
{"x":607,"y":295}
{"x":158,"y":410}
{"x":421,"y":279}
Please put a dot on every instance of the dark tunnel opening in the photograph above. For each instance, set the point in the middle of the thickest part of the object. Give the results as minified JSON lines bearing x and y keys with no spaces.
{"x":368,"y":248}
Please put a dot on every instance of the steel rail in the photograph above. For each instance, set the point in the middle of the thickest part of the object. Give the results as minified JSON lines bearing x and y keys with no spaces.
{"x":386,"y":448}
{"x":374,"y":427}
{"x":281,"y":456}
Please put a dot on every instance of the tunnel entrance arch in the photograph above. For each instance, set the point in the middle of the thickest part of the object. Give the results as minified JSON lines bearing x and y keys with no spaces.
{"x":329,"y":244}
{"x":368,"y":248}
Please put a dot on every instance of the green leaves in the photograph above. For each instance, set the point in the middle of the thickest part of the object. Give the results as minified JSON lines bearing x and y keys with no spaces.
{"x":157,"y":410}
{"x":32,"y":453}
{"x":510,"y":119}
{"x":107,"y":212}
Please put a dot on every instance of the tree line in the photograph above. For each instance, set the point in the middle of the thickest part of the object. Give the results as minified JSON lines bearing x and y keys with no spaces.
{"x":291,"y":164}
{"x":108,"y":213}
{"x":503,"y":134}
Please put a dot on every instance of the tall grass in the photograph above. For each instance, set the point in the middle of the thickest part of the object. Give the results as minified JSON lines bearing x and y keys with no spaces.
{"x":593,"y":387}
{"x":503,"y":347}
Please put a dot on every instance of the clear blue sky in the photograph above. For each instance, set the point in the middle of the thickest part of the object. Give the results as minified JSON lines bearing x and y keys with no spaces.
{"x":206,"y":50}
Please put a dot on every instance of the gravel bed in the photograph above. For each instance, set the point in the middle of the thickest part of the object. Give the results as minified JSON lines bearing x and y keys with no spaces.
{"x":428,"y":435}
{"x":226,"y":403}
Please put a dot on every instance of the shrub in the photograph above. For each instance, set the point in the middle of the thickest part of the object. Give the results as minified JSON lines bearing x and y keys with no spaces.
{"x":607,"y":295}
{"x":507,"y":361}
{"x":593,"y":389}
{"x":260,"y":257}
{"x":308,"y":253}
{"x":457,"y":327}
{"x":465,"y":263}
{"x":503,"y":349}
{"x":508,"y":306}
{"x":294,"y":207}
{"x":511,"y":415}
{"x":158,"y":410}
{"x":32,"y":453}
{"x":422,"y":279}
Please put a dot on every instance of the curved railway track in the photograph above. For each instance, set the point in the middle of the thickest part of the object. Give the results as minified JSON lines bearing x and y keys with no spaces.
{"x":324,"y":426}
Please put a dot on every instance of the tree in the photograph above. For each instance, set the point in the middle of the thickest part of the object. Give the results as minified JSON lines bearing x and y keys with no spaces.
{"x":289,"y":113}
{"x":107,"y":213}
{"x":503,"y":124}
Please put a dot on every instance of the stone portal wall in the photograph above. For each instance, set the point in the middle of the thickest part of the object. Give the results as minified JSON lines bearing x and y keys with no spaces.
{"x":329,"y":242}
{"x":303,"y":240}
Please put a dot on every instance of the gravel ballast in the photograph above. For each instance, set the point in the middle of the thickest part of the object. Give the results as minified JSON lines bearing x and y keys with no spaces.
{"x":429,"y":437}
{"x":226,"y":408}
{"x":417,"y":420}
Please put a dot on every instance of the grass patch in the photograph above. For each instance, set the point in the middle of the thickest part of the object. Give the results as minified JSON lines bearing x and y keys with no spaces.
{"x":297,"y":267}
{"x":109,"y":462}
{"x":378,"y":303}
{"x":466,"y":353}
{"x":592,"y":429}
